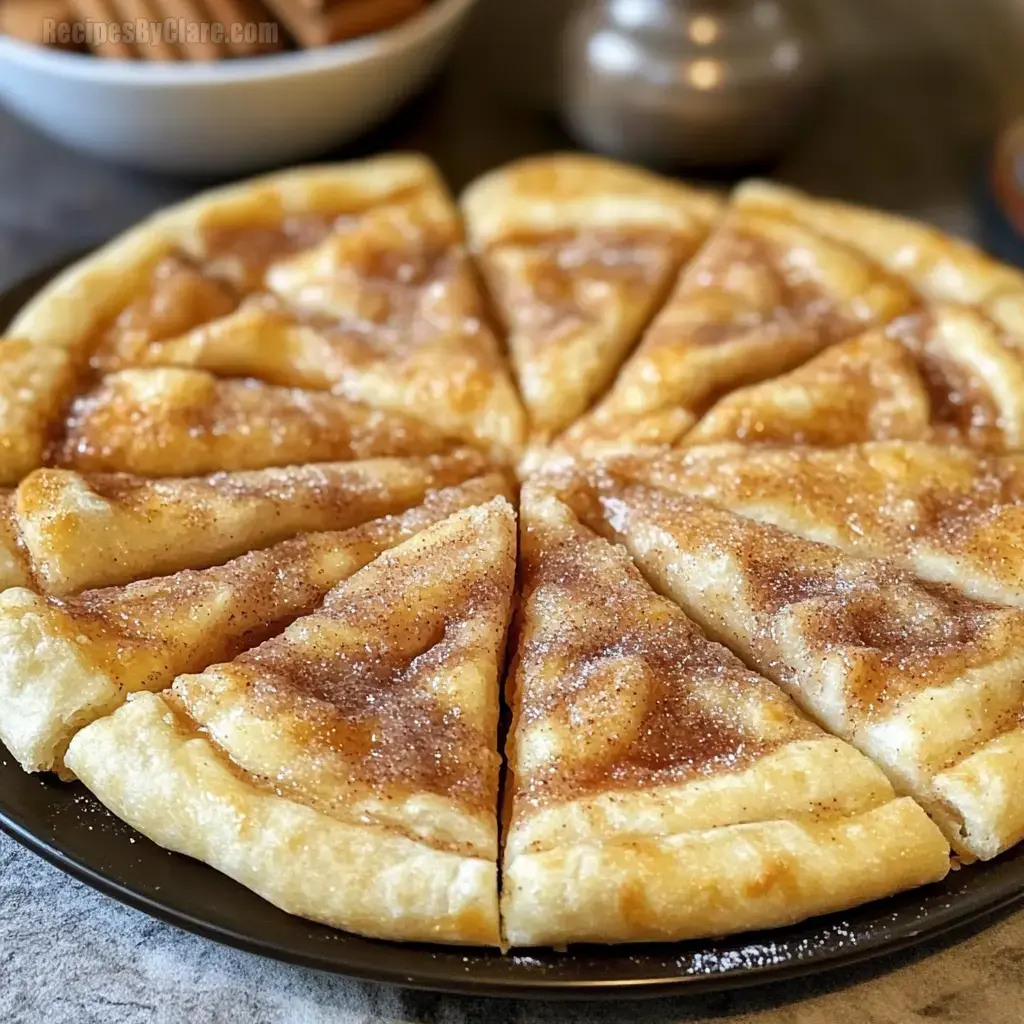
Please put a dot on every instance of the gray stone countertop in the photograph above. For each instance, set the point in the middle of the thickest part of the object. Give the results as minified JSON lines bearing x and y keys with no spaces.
{"x":923,"y":84}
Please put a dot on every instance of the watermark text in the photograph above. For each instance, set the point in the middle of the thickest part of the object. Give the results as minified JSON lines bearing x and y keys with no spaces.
{"x":170,"y":31}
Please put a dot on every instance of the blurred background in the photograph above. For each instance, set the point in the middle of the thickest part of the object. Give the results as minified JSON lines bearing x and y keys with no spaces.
{"x":894,"y":103}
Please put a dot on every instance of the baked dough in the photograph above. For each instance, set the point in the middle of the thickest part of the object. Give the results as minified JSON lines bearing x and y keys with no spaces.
{"x":36,"y":382}
{"x":660,"y":789}
{"x":173,"y":422}
{"x":948,"y":514}
{"x":916,"y":676}
{"x":946,"y":375}
{"x":66,"y":661}
{"x":347,"y":770}
{"x":578,"y":253}
{"x":103,"y":529}
{"x":940,"y":268}
{"x":764,"y":294}
{"x":240,"y":402}
{"x":864,"y":389}
{"x":360,"y":266}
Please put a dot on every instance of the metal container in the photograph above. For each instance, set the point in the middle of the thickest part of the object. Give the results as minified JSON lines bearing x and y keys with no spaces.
{"x":688,"y":82}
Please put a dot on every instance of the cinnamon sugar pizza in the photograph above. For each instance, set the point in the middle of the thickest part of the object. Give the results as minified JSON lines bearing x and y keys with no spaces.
{"x":263,"y":589}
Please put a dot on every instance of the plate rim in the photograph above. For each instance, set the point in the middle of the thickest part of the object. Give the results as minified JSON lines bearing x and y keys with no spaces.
{"x":960,"y":912}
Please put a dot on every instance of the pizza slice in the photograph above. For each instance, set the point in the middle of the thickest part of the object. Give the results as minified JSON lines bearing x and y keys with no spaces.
{"x":65,"y":662}
{"x":347,"y":769}
{"x":926,"y":682}
{"x":67,"y":532}
{"x":377,"y":302}
{"x":945,"y":375}
{"x":864,"y":389}
{"x":578,"y":253}
{"x":192,"y":263}
{"x":261,"y":338}
{"x":765,"y":294}
{"x":174,"y":422}
{"x":942,"y":269}
{"x":947,"y":514}
{"x":36,"y":383}
{"x":659,"y":789}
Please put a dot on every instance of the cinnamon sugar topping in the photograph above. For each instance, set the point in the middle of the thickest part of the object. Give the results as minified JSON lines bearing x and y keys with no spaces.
{"x":616,"y":689}
{"x":392,"y":684}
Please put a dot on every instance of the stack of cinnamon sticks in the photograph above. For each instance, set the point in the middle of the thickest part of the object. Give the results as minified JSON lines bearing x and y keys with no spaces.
{"x":197,"y":30}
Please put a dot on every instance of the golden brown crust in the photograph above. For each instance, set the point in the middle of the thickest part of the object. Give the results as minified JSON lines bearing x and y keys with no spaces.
{"x":15,"y":569}
{"x":915,"y":675}
{"x":66,"y":662}
{"x":950,"y":515}
{"x":363,"y":261}
{"x":974,"y":375}
{"x":172,"y":422}
{"x":556,"y":192}
{"x":177,"y":297}
{"x":386,"y":697}
{"x":36,"y":383}
{"x":691,"y":885}
{"x":661,"y":789}
{"x":361,"y":740}
{"x":428,"y":354}
{"x":941,"y":268}
{"x":864,"y":389}
{"x":91,"y":531}
{"x":948,"y":375}
{"x":764,"y":295}
{"x":283,"y":211}
{"x":602,"y":661}
{"x":871,"y":371}
{"x":150,"y":769}
{"x":578,"y":253}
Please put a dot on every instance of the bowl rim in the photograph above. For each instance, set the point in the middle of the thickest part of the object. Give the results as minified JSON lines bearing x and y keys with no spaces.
{"x":437,"y":16}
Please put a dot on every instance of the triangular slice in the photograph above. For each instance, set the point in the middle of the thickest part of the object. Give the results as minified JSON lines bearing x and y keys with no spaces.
{"x":380,"y":304}
{"x":945,"y":375}
{"x":171,"y":422}
{"x":578,"y":252}
{"x":98,"y":530}
{"x":764,"y":295}
{"x":66,"y":662}
{"x":943,"y":269}
{"x":346,"y":770}
{"x":193,"y":262}
{"x":950,"y":515}
{"x":36,"y":382}
{"x":660,"y":790}
{"x":864,"y":389}
{"x":261,"y":338}
{"x":927,"y":683}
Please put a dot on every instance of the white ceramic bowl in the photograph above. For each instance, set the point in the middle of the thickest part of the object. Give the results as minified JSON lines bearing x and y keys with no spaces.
{"x":230,"y":116}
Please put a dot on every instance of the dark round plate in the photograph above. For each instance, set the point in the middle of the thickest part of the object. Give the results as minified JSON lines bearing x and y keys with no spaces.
{"x":71,"y":829}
